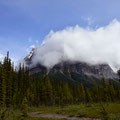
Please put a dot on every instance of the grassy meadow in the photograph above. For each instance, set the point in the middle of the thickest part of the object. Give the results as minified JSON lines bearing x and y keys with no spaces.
{"x":108,"y":111}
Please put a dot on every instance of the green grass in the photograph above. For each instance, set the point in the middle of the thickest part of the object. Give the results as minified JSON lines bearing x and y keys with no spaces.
{"x":110,"y":111}
{"x":13,"y":114}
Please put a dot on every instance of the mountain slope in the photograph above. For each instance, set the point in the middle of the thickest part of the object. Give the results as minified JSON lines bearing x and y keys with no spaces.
{"x":73,"y":72}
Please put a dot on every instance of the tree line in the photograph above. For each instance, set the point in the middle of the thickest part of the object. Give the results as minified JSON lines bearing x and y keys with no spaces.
{"x":17,"y":86}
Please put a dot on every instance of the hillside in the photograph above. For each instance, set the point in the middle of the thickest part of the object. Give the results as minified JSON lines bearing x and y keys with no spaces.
{"x":77,"y":72}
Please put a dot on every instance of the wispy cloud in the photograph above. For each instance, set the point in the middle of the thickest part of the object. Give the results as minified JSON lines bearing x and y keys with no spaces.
{"x":1,"y":56}
{"x":28,"y":49}
{"x":32,"y":46}
{"x":98,"y":46}
{"x":90,"y":20}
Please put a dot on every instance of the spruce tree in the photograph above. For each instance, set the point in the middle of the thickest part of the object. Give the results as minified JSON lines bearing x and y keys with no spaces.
{"x":48,"y":96}
{"x":2,"y":87}
{"x":88,"y":96}
{"x":67,"y":96}
{"x":82,"y":93}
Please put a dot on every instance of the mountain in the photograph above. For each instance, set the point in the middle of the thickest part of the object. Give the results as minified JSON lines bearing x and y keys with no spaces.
{"x":73,"y":72}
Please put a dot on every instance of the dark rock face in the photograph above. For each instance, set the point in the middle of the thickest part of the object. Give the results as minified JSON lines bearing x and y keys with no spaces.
{"x":96,"y":71}
{"x":83,"y":69}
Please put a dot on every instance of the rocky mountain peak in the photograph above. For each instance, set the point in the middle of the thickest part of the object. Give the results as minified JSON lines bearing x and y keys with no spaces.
{"x":84,"y":69}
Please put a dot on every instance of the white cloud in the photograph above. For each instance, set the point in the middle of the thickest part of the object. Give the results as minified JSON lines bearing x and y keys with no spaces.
{"x":1,"y":56}
{"x":30,"y":40}
{"x":32,"y":46}
{"x":29,"y":48}
{"x":89,"y":20}
{"x":79,"y":44}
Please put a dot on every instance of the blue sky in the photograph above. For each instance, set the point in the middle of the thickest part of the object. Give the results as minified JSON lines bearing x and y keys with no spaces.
{"x":24,"y":23}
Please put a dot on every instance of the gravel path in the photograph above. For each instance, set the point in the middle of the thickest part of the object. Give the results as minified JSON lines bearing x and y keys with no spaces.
{"x":37,"y":114}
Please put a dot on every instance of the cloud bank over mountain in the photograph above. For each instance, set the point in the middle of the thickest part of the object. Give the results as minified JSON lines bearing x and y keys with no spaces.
{"x":77,"y":44}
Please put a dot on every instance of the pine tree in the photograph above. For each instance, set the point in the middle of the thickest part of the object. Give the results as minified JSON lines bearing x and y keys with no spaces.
{"x":48,"y":96}
{"x":67,"y":96}
{"x":24,"y":108}
{"x":112,"y":92}
{"x":88,"y":95}
{"x":7,"y":69}
{"x":82,"y":93}
{"x":96,"y":93}
{"x":2,"y":87}
{"x":105,"y":89}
